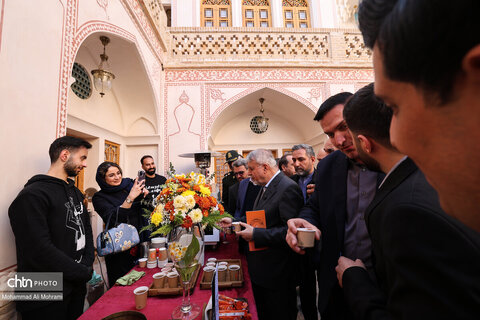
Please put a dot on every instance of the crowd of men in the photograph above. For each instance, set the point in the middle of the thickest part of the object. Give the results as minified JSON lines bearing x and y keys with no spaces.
{"x":394,"y":208}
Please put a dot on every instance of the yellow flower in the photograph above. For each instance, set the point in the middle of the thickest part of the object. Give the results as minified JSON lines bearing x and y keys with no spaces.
{"x":204,"y":191}
{"x":200,"y":179}
{"x":157,"y":218}
{"x":188,"y":193}
{"x":180,"y":176}
{"x":179,"y":202}
{"x":196,"y":215}
{"x":190,"y":201}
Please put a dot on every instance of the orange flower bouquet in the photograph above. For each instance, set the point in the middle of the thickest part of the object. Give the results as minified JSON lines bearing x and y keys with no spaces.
{"x":185,"y":200}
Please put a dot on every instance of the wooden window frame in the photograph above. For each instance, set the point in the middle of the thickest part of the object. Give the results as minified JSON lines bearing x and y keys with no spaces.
{"x":257,"y":20}
{"x":116,"y":155}
{"x":216,"y":20}
{"x":296,"y":21}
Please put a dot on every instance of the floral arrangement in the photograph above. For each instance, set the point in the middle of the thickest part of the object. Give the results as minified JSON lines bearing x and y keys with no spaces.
{"x":185,"y":200}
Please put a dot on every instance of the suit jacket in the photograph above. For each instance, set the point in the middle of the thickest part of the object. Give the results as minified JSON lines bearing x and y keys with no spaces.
{"x":327,"y":210}
{"x":232,"y":198}
{"x":274,"y":267}
{"x":296,"y":178}
{"x":427,"y":263}
{"x":241,"y":197}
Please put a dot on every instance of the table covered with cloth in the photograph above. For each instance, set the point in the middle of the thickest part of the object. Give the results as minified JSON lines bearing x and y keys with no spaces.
{"x":121,"y":298}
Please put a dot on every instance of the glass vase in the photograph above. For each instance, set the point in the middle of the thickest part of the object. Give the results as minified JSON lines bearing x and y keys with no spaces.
{"x":184,"y":247}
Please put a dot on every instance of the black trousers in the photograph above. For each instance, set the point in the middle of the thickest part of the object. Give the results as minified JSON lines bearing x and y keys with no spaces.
{"x":70,"y":308}
{"x":275,"y":304}
{"x":308,"y":289}
{"x":337,"y":307}
{"x":118,"y":265}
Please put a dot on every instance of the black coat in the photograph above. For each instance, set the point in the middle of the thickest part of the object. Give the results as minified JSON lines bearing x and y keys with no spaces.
{"x":327,"y":210}
{"x":274,"y":266}
{"x":426,"y":262}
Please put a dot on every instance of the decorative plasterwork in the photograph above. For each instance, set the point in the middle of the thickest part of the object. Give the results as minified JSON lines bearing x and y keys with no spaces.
{"x":267,"y":75}
{"x":72,"y":38}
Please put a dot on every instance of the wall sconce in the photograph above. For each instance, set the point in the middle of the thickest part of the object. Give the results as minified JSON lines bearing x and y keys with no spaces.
{"x":102,"y":79}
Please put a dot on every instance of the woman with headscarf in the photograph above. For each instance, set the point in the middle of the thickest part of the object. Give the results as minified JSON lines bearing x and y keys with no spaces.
{"x":118,"y":195}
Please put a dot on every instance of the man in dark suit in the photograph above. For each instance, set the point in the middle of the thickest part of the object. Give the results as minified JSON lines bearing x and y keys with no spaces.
{"x":272,"y":270}
{"x":426,"y":262}
{"x":240,"y":172}
{"x":344,"y":187}
{"x":303,"y":158}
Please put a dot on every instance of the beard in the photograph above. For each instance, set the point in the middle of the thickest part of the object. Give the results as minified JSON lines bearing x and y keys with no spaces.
{"x":150,"y":172}
{"x":71,"y":169}
{"x":301,"y":172}
{"x":371,"y":163}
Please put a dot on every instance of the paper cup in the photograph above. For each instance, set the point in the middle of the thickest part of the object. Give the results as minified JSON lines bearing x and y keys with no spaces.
{"x":236,"y":226}
{"x":212,"y":260}
{"x":159,"y":280}
{"x":305,"y":237}
{"x":162,"y":263}
{"x":141,"y":294}
{"x":152,"y":254}
{"x":223,"y":263}
{"x":172,"y":279}
{"x":170,"y":264}
{"x":222,"y":273}
{"x":208,"y":274}
{"x":151,"y":264}
{"x":166,"y":269}
{"x":162,"y":254}
{"x":211,"y":264}
{"x":142,"y":263}
{"x":234,"y":271}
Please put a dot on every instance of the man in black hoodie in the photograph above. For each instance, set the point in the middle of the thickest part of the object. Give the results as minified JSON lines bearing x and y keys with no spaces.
{"x":52,"y":230}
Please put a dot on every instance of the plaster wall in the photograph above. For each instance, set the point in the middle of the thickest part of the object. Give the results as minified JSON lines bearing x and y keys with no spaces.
{"x":29,"y":96}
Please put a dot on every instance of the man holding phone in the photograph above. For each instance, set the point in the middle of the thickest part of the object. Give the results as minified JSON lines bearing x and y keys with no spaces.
{"x":153,"y":181}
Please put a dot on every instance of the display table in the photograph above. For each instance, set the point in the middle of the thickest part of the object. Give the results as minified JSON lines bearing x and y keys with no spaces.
{"x":121,"y":298}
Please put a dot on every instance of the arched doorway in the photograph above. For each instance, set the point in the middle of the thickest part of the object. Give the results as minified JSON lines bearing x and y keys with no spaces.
{"x":290,"y":122}
{"x":122,"y":125}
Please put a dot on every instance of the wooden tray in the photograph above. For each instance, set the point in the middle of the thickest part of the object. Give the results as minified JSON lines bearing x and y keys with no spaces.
{"x":166,"y":291}
{"x":225,"y":284}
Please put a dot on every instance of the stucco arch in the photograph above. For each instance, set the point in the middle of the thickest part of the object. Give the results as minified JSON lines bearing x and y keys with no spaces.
{"x":71,"y":47}
{"x":291,"y":118}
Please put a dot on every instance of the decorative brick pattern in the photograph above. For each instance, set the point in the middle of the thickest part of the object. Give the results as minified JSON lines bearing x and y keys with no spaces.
{"x":202,"y":46}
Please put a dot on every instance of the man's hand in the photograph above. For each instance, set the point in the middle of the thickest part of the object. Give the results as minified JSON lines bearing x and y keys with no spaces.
{"x":310,"y":188}
{"x":291,"y":237}
{"x":225,"y":222}
{"x":247,"y":233}
{"x":344,"y":264}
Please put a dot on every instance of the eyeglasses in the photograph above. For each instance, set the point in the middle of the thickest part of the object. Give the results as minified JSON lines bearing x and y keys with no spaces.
{"x":239,"y":173}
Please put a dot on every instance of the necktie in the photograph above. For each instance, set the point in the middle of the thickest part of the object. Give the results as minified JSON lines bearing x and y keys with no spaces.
{"x":260,"y":195}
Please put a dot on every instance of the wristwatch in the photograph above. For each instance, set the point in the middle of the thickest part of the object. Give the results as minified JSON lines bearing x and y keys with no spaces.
{"x":128,"y":201}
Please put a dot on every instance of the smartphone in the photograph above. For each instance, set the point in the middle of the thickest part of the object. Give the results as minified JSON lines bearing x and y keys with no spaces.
{"x":141,"y":175}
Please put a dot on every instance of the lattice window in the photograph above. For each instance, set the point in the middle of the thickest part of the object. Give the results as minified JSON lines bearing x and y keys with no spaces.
{"x":216,"y":13}
{"x":295,"y":14}
{"x":82,"y":87}
{"x":256,"y":13}
{"x":112,"y":152}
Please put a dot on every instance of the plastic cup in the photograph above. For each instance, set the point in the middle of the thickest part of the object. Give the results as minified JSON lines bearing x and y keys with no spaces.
{"x":305,"y":237}
{"x":141,"y":294}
